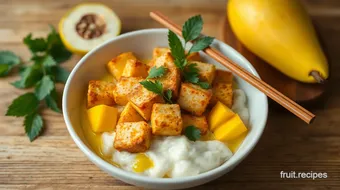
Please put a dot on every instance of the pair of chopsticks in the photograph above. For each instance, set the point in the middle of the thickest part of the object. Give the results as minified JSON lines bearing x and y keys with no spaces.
{"x":272,"y":93}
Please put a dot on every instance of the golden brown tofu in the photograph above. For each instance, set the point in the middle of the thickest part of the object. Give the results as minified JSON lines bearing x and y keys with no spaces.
{"x":206,"y":71}
{"x":100,"y":92}
{"x":172,"y":78}
{"x":194,"y":57}
{"x":223,"y":77}
{"x":132,"y":137}
{"x":124,"y":88}
{"x":116,"y":65}
{"x":135,"y":68}
{"x":199,"y":122}
{"x":222,"y":92}
{"x":166,"y":119}
{"x":156,"y":53}
{"x":142,"y":100}
{"x":193,"y":98}
{"x":129,"y":114}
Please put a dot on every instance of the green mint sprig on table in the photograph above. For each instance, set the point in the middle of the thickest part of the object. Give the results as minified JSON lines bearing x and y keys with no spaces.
{"x":192,"y":133}
{"x":191,"y":31}
{"x":157,"y":87}
{"x":42,"y":72}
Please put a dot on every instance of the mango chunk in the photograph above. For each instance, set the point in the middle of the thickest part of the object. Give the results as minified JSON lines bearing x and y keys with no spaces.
{"x":231,"y":129}
{"x":102,"y":118}
{"x":117,"y":65}
{"x":219,"y":114}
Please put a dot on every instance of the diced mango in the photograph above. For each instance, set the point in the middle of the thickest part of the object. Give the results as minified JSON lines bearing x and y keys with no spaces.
{"x":234,"y":144}
{"x":231,"y":129}
{"x":116,"y":65}
{"x":102,"y":118}
{"x":219,"y":114}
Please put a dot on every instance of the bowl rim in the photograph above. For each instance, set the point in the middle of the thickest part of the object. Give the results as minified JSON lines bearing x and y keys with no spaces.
{"x":146,"y":179}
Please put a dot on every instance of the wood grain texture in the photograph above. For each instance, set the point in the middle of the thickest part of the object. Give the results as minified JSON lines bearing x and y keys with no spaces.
{"x":54,"y":162}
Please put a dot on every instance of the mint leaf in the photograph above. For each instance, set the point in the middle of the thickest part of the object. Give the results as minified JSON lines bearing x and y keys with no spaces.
{"x":35,"y":45}
{"x":23,"y":105}
{"x":33,"y":124}
{"x":190,"y":73}
{"x":204,"y":85}
{"x":7,"y":61}
{"x":168,"y":96}
{"x":201,"y":44}
{"x":192,"y":28}
{"x":56,"y":47}
{"x":156,"y":72}
{"x":51,"y":101}
{"x":44,"y":87}
{"x":176,"y":48}
{"x":155,"y":87}
{"x":45,"y":61}
{"x":60,"y":74}
{"x":192,"y":132}
{"x":29,"y":77}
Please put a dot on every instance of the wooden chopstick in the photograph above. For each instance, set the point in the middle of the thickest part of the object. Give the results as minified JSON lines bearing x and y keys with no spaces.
{"x":272,"y":93}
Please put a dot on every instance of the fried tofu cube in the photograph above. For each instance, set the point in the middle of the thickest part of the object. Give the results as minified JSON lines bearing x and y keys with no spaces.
{"x":206,"y":71}
{"x":194,"y":57}
{"x":133,"y":137}
{"x":116,"y":65}
{"x":129,"y":114}
{"x":172,"y":78}
{"x":100,"y":92}
{"x":134,"y":68}
{"x":193,"y":98}
{"x":142,"y":100}
{"x":222,"y":92}
{"x":198,"y":121}
{"x":157,"y":52}
{"x":166,"y":119}
{"x":223,"y":77}
{"x":124,"y":88}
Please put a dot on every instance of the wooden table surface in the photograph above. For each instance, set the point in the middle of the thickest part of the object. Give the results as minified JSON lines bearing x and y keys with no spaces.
{"x":54,"y":162}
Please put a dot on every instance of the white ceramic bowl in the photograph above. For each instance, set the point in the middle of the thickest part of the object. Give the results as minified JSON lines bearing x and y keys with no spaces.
{"x":142,"y":42}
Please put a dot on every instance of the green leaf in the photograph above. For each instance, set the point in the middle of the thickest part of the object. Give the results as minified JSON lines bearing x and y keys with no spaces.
{"x":29,"y":77}
{"x":23,"y":105}
{"x":192,"y":132}
{"x":156,"y":72}
{"x":35,"y":45}
{"x":44,"y":87}
{"x":168,"y":96}
{"x":51,"y":101}
{"x":7,"y":61}
{"x":176,"y":48}
{"x":49,"y":61}
{"x":56,"y":47}
{"x":192,"y":28}
{"x":190,"y":73}
{"x":155,"y":87}
{"x":33,"y":125}
{"x":204,"y":85}
{"x":60,"y":74}
{"x":201,"y":44}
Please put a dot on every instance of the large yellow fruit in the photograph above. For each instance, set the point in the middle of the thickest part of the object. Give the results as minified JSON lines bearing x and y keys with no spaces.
{"x":281,"y":33}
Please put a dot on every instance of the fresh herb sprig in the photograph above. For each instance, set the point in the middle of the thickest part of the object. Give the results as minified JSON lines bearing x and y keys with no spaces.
{"x":42,"y":72}
{"x":192,"y":133}
{"x":157,"y":87}
{"x":191,"y":31}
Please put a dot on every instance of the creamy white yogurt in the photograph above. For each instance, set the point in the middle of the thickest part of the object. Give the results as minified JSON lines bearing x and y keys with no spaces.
{"x":173,"y":156}
{"x":240,"y":105}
